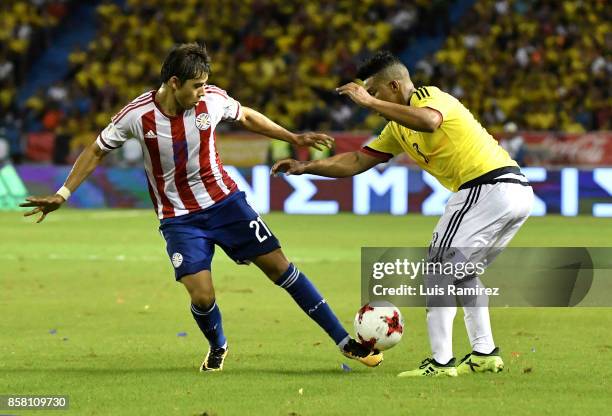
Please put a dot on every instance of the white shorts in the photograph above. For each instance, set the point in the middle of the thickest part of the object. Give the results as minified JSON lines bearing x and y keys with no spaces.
{"x":481,"y":220}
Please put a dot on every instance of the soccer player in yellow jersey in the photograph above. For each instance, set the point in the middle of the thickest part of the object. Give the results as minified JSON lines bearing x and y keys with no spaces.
{"x":491,"y":199}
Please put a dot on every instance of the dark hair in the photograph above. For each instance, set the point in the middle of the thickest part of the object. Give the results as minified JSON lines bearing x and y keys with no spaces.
{"x":186,"y":61}
{"x":378,"y":62}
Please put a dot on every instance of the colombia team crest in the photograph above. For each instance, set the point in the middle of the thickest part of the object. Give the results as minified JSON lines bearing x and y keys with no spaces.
{"x":202,"y":121}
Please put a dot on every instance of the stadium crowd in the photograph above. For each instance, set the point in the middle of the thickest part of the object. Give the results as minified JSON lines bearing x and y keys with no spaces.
{"x":26,"y":29}
{"x":543,"y":65}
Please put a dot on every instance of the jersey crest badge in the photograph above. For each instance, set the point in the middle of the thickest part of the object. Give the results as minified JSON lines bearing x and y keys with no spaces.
{"x":177,"y":260}
{"x":202,"y":121}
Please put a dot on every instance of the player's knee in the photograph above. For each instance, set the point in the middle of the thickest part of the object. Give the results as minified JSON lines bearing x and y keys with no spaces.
{"x":200,"y":288}
{"x":276,"y":270}
{"x":203,"y":300}
{"x":274,"y":264}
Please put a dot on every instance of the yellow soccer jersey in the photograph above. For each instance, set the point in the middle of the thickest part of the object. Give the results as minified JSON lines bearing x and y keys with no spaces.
{"x":458,"y":151}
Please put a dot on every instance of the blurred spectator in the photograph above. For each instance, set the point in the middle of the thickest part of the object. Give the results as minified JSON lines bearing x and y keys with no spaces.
{"x":4,"y":146}
{"x":25,"y":31}
{"x":284,"y":58}
{"x":514,"y":143}
{"x":544,"y":64}
{"x":340,"y":114}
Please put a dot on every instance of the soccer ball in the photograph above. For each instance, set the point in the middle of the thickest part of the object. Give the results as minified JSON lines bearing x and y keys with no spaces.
{"x":379,"y":325}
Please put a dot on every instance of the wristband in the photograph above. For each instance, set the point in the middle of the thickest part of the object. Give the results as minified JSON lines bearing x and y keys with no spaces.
{"x":64,"y":193}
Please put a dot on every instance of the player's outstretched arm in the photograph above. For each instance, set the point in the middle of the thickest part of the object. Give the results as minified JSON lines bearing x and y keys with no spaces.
{"x":416,"y":118}
{"x":258,"y":123}
{"x":86,"y":163}
{"x":338,"y":166}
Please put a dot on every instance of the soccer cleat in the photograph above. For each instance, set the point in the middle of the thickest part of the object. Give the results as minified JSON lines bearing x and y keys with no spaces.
{"x":214,"y":359}
{"x":476,"y":362}
{"x":361,"y":353}
{"x":430,"y":367}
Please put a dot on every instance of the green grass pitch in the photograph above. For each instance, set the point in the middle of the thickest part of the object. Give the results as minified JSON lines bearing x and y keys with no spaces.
{"x":101,"y":281}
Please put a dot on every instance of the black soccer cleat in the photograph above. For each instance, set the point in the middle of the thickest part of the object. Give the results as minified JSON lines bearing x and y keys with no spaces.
{"x":214,"y":359}
{"x":356,"y":351}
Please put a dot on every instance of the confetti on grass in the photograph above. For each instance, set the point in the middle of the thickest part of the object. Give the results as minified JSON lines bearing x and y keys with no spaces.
{"x":53,"y":331}
{"x":346,"y":368}
{"x":181,"y":334}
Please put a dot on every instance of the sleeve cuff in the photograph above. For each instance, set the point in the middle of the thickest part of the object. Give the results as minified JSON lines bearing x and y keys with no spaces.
{"x":375,"y":153}
{"x":238,"y":111}
{"x":102,"y":144}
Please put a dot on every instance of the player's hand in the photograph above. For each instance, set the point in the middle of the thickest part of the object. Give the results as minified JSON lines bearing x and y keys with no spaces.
{"x":43,"y":204}
{"x":288,"y":167}
{"x":356,"y":93}
{"x":318,"y":141}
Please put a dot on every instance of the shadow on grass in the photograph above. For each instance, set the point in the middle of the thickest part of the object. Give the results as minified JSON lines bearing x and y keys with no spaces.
{"x":187,"y":371}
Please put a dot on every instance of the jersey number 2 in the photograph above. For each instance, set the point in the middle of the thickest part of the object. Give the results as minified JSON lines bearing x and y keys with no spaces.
{"x":256,"y":224}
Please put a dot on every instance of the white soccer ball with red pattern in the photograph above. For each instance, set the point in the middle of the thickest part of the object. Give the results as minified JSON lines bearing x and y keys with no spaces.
{"x":379,"y":325}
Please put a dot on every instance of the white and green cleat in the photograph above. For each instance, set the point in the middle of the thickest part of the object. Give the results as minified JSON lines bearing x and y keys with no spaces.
{"x":431,"y":368}
{"x":476,"y":362}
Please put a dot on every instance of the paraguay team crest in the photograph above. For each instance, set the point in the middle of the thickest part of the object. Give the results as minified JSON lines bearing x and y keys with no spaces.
{"x":202,"y":121}
{"x":177,"y":260}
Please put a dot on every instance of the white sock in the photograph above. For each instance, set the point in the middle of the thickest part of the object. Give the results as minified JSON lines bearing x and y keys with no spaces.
{"x":477,"y":322}
{"x":478,"y":327}
{"x":440,"y":328}
{"x":342,"y":343}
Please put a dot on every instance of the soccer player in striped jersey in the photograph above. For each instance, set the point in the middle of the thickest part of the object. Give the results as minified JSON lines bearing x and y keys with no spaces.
{"x":199,"y":206}
{"x":491,"y":199}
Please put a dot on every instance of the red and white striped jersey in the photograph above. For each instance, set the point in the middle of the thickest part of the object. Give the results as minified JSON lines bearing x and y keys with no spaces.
{"x":183,"y":169}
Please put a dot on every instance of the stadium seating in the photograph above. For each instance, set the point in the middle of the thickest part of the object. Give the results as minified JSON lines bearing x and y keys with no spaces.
{"x":542,"y":64}
{"x":25,"y":31}
{"x":530,"y":63}
{"x":283,"y":58}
